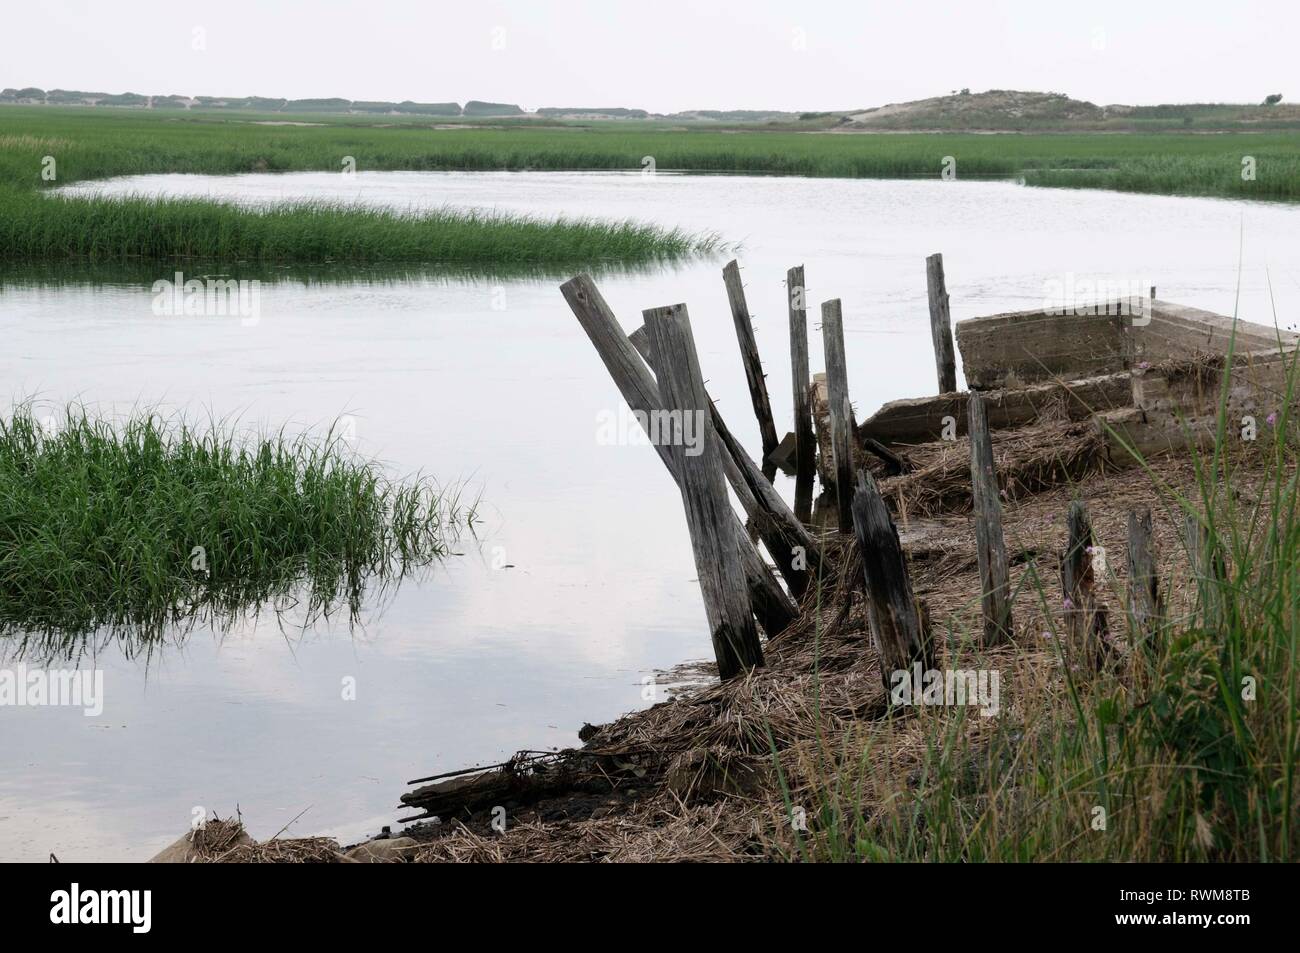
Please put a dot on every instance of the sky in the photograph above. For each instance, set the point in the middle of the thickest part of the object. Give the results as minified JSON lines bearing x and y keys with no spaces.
{"x":661,"y":55}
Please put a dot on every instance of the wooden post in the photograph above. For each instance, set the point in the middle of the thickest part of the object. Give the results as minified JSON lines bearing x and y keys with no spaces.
{"x":1085,"y":621}
{"x":704,"y":494}
{"x":841,"y":411}
{"x":804,"y":439}
{"x":1208,"y":569}
{"x":945,"y":361}
{"x":1144,"y":603}
{"x":749,"y":357}
{"x":900,"y":630}
{"x":772,"y":606}
{"x":990,"y":547}
{"x":797,"y":554}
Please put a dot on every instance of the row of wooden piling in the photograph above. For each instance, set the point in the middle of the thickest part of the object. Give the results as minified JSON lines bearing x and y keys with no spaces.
{"x":657,"y":370}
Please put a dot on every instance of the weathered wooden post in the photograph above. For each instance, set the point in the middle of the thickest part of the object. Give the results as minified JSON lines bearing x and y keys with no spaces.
{"x":772,"y":606}
{"x":990,"y":547}
{"x":898,"y":626}
{"x":797,"y":554}
{"x":804,"y":439}
{"x":1144,"y":602}
{"x":1208,"y":569}
{"x":1085,"y":621}
{"x":841,"y":411}
{"x":945,"y":361}
{"x":749,"y":357}
{"x":704,"y":494}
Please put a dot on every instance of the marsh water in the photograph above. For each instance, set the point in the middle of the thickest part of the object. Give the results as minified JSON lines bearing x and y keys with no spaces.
{"x":579,"y":582}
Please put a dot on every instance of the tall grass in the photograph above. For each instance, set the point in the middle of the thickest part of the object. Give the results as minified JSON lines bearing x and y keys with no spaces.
{"x":82,"y":146}
{"x":1187,"y":751}
{"x":154,"y":523}
{"x":90,"y":144}
{"x":34,"y":228}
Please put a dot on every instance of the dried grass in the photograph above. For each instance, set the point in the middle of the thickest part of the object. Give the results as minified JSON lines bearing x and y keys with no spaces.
{"x":716,"y":773}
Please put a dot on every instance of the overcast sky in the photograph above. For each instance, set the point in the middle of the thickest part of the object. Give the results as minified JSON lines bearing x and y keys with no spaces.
{"x":661,"y":55}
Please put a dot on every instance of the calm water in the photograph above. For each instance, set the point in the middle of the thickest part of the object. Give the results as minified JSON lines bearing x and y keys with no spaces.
{"x":490,"y":381}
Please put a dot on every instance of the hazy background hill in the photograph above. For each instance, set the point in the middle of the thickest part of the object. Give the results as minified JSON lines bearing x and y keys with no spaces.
{"x":995,"y":110}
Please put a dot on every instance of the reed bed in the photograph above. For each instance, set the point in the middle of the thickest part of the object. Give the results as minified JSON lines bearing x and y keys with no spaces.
{"x":100,"y":228}
{"x":152,"y":524}
{"x":104,"y":229}
{"x":98,"y":144}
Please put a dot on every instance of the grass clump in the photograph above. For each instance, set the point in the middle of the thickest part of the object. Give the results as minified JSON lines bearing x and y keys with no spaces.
{"x":37,"y":228}
{"x":152,"y":523}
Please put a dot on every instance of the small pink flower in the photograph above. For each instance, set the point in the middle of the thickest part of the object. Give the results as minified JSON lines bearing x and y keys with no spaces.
{"x":1068,"y":603}
{"x":1145,"y":365}
{"x":1272,"y":419}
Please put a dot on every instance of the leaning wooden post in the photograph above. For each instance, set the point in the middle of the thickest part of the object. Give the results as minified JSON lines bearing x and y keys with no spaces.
{"x":797,"y":554}
{"x":898,"y":626}
{"x":749,"y":356}
{"x":773,"y":607}
{"x":804,"y":440}
{"x":1144,"y":602}
{"x":841,"y":411}
{"x":945,"y":361}
{"x":704,"y":494}
{"x":990,"y":547}
{"x":1085,"y":621}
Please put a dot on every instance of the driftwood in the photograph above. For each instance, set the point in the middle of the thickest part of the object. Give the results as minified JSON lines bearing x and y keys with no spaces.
{"x":526,"y":778}
{"x":893,"y":461}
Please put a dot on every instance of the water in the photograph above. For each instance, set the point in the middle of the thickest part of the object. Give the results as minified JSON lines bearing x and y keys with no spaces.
{"x":489,"y":380}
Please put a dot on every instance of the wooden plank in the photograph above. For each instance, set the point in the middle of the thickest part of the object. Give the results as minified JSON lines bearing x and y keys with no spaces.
{"x":796,"y":552}
{"x":899,"y":627}
{"x":841,"y":411}
{"x":772,"y":605}
{"x":709,"y":516}
{"x":754,"y":376}
{"x":893,"y":461}
{"x":1145,"y":606}
{"x":990,"y":547}
{"x":945,"y":360}
{"x":1085,"y":620}
{"x":805,"y":440}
